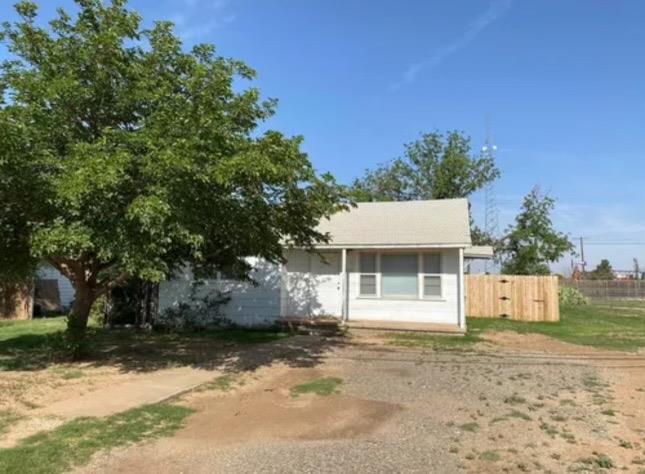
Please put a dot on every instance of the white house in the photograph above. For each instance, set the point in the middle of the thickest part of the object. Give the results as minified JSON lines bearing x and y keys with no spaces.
{"x":385,"y":262}
{"x":65,"y":289}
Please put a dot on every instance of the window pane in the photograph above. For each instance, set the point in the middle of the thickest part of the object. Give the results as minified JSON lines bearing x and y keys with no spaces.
{"x":432,"y":263}
{"x":399,"y":275}
{"x":431,"y":286}
{"x":368,"y":263}
{"x":368,"y":285}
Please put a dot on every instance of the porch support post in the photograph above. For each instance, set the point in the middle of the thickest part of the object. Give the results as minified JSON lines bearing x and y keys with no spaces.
{"x":284,"y":285}
{"x":461,"y":303}
{"x":344,"y":286}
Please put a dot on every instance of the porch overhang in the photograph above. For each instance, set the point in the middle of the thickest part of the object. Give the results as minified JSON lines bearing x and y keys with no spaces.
{"x":361,"y":246}
{"x":483,"y":252}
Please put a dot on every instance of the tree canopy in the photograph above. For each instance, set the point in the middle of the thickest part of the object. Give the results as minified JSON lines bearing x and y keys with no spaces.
{"x":532,"y":243}
{"x":436,"y":166}
{"x":603,"y":271}
{"x":123,"y":155}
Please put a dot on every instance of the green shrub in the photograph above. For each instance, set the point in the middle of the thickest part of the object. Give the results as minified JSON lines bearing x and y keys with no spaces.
{"x":98,"y":311}
{"x":572,"y":297}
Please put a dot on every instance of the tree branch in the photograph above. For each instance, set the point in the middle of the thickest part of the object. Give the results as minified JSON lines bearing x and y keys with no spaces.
{"x":105,"y":286}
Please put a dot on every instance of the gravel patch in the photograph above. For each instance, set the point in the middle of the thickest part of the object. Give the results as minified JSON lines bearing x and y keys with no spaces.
{"x":455,"y":412}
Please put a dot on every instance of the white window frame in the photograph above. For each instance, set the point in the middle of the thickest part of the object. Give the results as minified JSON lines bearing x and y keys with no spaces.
{"x":376,"y":274}
{"x":420,"y":296}
{"x":422,"y":276}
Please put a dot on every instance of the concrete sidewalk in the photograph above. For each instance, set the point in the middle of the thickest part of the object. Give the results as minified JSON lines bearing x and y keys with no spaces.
{"x":148,"y":388}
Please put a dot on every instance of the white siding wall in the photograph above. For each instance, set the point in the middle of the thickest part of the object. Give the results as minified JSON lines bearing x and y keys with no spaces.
{"x":445,"y":310}
{"x":249,"y":306}
{"x":307,"y":279}
{"x":312,"y":285}
{"x":65,"y":288}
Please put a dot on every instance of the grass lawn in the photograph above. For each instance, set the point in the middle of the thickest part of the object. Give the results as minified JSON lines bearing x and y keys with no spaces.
{"x":597,"y":325}
{"x":27,"y":345}
{"x":7,"y":418}
{"x":75,"y":442}
{"x":616,"y":325}
{"x":30,"y":331}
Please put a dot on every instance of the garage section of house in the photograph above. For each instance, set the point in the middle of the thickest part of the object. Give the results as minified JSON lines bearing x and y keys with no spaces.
{"x":385,"y":263}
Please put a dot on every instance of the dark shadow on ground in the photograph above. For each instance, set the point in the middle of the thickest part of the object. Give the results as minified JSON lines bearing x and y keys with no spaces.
{"x":149,"y":351}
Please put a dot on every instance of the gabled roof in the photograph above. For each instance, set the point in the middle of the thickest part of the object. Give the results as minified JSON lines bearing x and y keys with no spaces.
{"x":437,"y":223}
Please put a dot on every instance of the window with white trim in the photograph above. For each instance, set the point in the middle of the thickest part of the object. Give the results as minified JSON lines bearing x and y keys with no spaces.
{"x":431,"y":276}
{"x":400,"y":275}
{"x":368,"y":283}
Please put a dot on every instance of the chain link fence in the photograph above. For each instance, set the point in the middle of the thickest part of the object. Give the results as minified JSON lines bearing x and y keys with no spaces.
{"x":608,"y":289}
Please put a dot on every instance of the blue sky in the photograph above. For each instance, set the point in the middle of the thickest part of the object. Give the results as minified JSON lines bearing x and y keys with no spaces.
{"x":563,"y":83}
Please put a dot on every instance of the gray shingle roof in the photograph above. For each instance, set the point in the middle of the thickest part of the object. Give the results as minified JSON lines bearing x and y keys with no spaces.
{"x":401,"y":224}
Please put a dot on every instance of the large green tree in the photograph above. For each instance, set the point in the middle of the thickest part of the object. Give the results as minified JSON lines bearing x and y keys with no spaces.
{"x":123,"y":155}
{"x":436,"y":166}
{"x":532,"y":243}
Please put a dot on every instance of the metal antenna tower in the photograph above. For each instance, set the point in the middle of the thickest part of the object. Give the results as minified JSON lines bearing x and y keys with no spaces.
{"x":491,"y":216}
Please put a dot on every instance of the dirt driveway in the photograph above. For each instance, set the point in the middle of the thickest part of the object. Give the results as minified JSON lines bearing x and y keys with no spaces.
{"x":501,"y":408}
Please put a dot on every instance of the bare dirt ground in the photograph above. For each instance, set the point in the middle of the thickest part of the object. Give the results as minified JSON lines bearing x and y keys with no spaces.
{"x":26,"y":393}
{"x":45,"y":397}
{"x":519,"y":403}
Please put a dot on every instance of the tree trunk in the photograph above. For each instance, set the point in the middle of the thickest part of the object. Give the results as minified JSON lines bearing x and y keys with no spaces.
{"x":78,"y":316}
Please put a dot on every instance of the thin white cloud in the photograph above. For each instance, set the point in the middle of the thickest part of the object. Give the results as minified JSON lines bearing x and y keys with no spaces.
{"x":213,"y":4}
{"x":495,"y":10}
{"x":199,"y":18}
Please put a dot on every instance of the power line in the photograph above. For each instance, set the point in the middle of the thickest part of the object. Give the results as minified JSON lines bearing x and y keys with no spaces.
{"x":610,"y":241}
{"x":614,"y":243}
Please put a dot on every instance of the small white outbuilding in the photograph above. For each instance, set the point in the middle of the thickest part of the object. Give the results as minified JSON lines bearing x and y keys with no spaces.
{"x":386,"y":263}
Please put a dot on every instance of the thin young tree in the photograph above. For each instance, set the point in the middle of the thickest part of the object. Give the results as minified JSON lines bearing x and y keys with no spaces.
{"x":532,"y":243}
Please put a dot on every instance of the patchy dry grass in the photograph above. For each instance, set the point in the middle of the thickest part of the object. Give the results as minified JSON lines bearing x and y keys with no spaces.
{"x":471,"y":427}
{"x":598,"y":460}
{"x":519,"y":414}
{"x":68,"y":373}
{"x":433,"y":341}
{"x":73,"y":443}
{"x":597,"y":325}
{"x":490,"y":455}
{"x":325,"y":386}
{"x":7,"y":418}
{"x":223,"y":383}
{"x":515,"y":399}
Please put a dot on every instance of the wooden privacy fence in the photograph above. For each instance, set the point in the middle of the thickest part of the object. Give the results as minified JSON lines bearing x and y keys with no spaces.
{"x":522,"y":298}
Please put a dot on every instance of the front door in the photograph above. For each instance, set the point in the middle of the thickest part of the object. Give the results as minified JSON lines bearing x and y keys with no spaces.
{"x":313,"y":285}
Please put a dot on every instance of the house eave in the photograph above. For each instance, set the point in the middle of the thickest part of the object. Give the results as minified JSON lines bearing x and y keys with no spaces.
{"x":451,"y":245}
{"x":481,"y":252}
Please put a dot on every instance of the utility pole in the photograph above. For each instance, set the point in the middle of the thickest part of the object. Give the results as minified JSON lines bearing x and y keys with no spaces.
{"x":582,"y":256}
{"x":637,"y":270}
